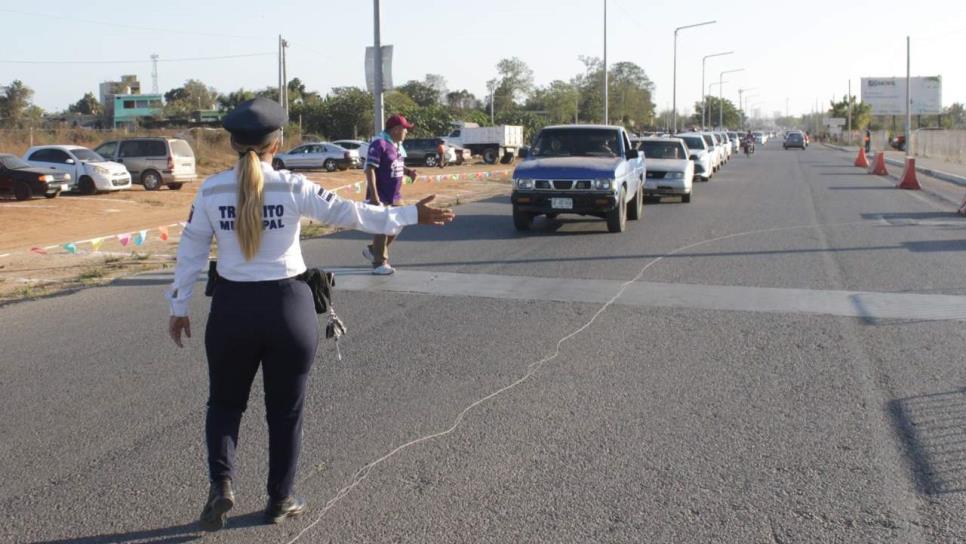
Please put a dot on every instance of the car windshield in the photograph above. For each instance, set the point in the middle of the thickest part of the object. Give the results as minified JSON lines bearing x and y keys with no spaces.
{"x":12,"y":162}
{"x":662,"y":150}
{"x":693,"y":142}
{"x":577,"y":143}
{"x":84,"y":154}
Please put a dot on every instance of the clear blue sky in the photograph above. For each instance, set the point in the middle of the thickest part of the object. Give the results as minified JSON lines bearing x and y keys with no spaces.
{"x":802,"y":51}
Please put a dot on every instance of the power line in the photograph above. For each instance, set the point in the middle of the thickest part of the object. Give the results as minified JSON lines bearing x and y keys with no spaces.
{"x":188,"y":59}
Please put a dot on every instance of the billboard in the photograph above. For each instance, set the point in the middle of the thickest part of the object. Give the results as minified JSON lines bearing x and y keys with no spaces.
{"x":887,"y":95}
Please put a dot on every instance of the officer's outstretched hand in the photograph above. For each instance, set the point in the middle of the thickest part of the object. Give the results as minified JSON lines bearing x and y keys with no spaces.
{"x":175,"y":325}
{"x":431,"y":216}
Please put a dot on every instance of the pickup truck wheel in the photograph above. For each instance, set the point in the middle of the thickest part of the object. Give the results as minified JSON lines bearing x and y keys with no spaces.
{"x":329,"y":165}
{"x":431,"y":160}
{"x":490,"y":155}
{"x":635,"y":208}
{"x":521,"y":219}
{"x":507,"y":158}
{"x":175,"y":186}
{"x":151,"y":180}
{"x":617,"y":218}
{"x":686,"y":198}
{"x":21,"y":191}
{"x":87,"y":186}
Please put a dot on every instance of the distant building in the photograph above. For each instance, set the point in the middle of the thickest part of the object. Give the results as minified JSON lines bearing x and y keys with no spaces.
{"x":124,"y":104}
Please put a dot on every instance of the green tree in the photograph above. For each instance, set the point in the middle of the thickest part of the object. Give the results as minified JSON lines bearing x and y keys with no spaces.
{"x":345,"y":113}
{"x":193,"y":95}
{"x":462,"y":100}
{"x":232,"y":100}
{"x":557,"y":101}
{"x":629,"y":95}
{"x":14,"y":103}
{"x":513,"y":84}
{"x":861,"y":112}
{"x":954,"y":116}
{"x":422,"y":94}
{"x":730,"y":116}
{"x":88,"y":105}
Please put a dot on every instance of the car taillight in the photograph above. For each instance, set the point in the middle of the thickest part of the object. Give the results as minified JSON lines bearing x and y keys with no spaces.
{"x":170,"y":162}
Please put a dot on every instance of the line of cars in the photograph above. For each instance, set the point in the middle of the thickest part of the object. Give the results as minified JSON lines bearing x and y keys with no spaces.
{"x":346,"y":154}
{"x":114,"y":165}
{"x":601,"y":171}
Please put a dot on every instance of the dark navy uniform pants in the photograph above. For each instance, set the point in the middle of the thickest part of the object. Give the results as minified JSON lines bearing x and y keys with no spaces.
{"x":272,"y":324}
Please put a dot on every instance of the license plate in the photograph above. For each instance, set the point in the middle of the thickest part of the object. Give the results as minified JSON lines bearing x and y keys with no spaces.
{"x":562,"y":203}
{"x":64,"y":187}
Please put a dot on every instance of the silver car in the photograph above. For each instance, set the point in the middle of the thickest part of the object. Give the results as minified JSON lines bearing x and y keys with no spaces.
{"x":324,"y":155}
{"x":153,"y":162}
{"x":358,"y":145}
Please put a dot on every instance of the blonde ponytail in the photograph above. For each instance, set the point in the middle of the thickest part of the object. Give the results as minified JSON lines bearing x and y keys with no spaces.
{"x":251,"y":200}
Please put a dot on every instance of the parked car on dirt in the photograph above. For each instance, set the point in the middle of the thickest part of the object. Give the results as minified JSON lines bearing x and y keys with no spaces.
{"x":425,"y":151}
{"x":581,"y":169}
{"x":91,"y":172}
{"x":153,"y":162}
{"x":24,"y":181}
{"x":355,"y":145}
{"x":325,"y":155}
{"x":670,"y":170}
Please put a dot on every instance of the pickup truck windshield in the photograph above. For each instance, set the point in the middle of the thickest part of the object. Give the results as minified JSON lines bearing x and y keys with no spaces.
{"x":577,"y":143}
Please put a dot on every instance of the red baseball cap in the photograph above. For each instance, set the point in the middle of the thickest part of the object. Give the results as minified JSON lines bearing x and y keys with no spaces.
{"x":397,"y":120}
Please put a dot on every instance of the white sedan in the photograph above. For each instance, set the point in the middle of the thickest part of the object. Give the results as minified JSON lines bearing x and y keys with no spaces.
{"x":670,"y":170}
{"x":91,"y":172}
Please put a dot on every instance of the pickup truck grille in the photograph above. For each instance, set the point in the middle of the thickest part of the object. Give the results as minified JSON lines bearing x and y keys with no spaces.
{"x":653,"y":174}
{"x":562,"y":184}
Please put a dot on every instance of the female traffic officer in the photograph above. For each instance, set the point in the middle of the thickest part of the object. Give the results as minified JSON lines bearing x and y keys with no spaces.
{"x":261,"y":314}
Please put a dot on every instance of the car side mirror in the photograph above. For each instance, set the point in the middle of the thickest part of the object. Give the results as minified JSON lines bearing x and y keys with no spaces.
{"x":69,"y":161}
{"x":524,"y":152}
{"x":632,"y":153}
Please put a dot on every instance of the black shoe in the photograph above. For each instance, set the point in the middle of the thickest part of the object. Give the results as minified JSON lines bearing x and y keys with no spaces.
{"x":289,"y":507}
{"x":221,"y":498}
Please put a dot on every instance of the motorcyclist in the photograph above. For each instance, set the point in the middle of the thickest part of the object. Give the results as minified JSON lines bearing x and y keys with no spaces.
{"x":748,"y":143}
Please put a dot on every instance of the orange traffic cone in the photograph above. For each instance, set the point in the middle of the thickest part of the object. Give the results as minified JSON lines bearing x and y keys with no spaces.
{"x":861,"y":160}
{"x":909,"y":179}
{"x":879,"y":165}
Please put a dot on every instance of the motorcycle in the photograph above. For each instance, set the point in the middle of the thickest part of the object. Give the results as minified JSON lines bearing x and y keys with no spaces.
{"x":748,"y":147}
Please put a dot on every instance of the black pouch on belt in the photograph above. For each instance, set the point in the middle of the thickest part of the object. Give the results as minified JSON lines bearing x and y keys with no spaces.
{"x":320,"y":283}
{"x":212,"y":278}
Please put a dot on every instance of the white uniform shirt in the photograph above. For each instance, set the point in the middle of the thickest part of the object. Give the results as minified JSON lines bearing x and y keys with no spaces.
{"x":288,"y":197}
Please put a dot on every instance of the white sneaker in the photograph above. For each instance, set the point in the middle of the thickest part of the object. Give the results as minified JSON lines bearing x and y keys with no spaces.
{"x":367,"y":253}
{"x":383,"y":270}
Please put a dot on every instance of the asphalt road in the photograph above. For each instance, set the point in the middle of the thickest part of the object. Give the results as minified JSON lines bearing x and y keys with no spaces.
{"x":739,"y":409}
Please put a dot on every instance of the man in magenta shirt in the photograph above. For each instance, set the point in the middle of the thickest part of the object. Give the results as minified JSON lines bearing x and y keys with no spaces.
{"x":385,"y":168}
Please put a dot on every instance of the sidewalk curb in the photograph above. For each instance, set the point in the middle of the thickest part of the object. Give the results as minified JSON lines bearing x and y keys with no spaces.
{"x":938,"y":174}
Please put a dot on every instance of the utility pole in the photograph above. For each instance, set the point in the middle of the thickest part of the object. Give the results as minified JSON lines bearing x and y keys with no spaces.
{"x":849,"y":99}
{"x":154,"y":73}
{"x":491,"y":86}
{"x":378,"y":116}
{"x":908,"y":143}
{"x":721,"y":95}
{"x":284,"y":96}
{"x":605,"y":62}
{"x":704,"y":97}
{"x":281,"y":84}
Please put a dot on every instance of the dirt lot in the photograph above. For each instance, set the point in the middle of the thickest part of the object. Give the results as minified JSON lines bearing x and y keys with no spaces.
{"x":49,"y":245}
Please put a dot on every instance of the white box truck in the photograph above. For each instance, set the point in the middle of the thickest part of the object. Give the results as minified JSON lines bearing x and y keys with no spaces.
{"x":493,"y":143}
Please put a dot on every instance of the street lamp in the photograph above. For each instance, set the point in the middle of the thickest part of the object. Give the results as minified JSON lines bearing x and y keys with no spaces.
{"x":704,"y":99}
{"x":721,"y":97}
{"x":741,"y":103}
{"x":674,"y":92}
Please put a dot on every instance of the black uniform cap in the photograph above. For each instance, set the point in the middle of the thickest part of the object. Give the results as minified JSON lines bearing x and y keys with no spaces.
{"x":253,"y":120}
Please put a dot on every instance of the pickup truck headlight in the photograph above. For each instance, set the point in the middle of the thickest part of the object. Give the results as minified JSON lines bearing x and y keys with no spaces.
{"x":524,"y":184}
{"x":603,"y":184}
{"x":46,"y":178}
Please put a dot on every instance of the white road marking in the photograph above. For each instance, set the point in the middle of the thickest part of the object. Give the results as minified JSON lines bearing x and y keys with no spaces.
{"x":862,"y":304}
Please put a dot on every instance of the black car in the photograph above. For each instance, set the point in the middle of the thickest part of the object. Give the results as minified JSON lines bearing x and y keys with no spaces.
{"x":794,"y":139}
{"x":422,"y":151}
{"x":25,"y":181}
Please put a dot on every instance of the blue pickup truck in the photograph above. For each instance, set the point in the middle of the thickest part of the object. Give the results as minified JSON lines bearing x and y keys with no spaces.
{"x":580,"y":169}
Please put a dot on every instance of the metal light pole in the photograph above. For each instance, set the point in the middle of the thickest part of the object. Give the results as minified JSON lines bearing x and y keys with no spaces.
{"x":674,"y":92}
{"x":605,"y":62}
{"x":721,"y":97}
{"x":741,"y":103}
{"x":704,"y":97}
{"x":377,"y":71}
{"x":908,"y":144}
{"x":849,"y":100}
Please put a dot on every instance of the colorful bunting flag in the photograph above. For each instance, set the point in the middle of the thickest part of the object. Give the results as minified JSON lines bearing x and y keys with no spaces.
{"x":70,"y":247}
{"x":96,"y":243}
{"x":125,"y":239}
{"x":358,"y":187}
{"x":39,"y":250}
{"x":140,"y":237}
